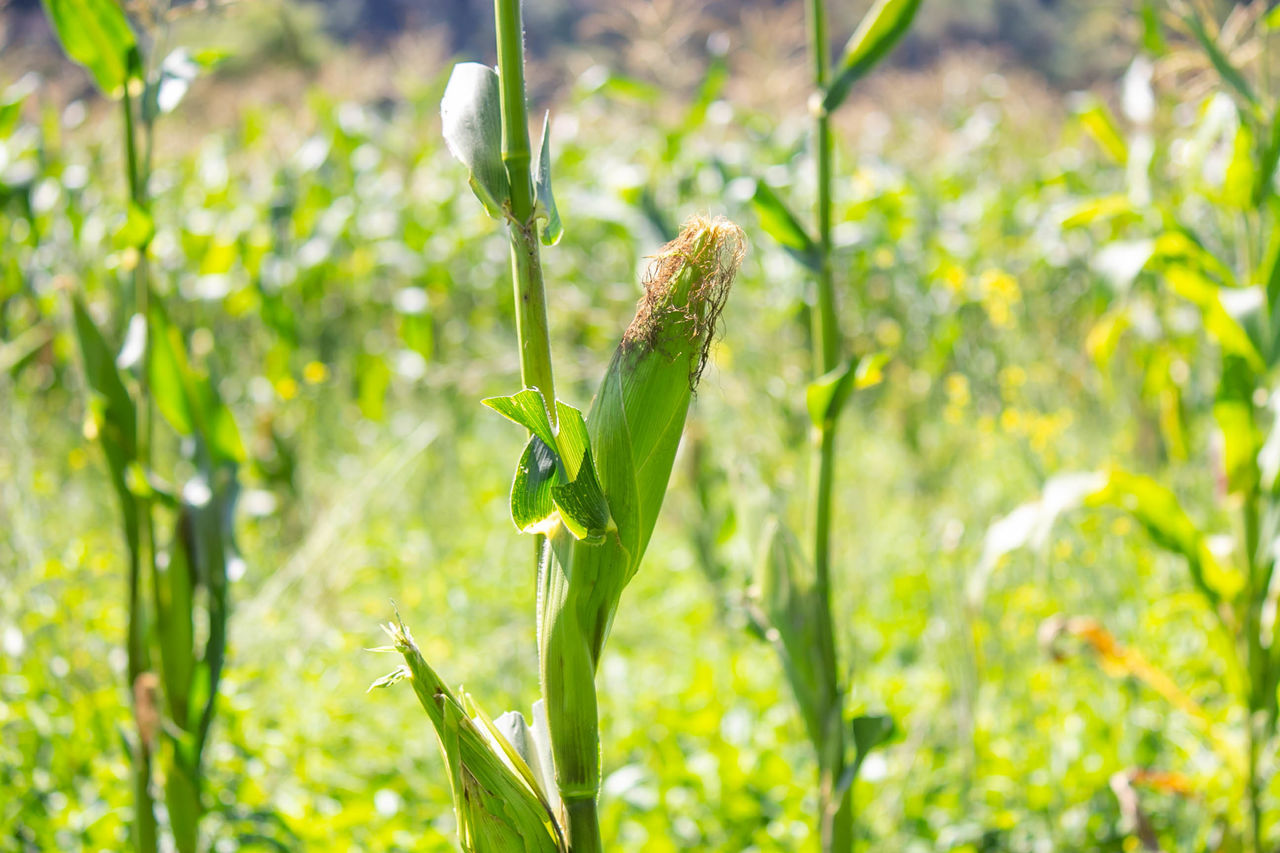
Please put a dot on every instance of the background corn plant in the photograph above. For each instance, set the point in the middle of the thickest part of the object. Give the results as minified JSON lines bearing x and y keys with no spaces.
{"x":1228,"y":269}
{"x":178,"y":528}
{"x":794,"y":610}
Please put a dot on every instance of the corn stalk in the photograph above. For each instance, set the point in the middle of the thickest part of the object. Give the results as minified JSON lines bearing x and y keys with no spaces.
{"x":173,"y":675}
{"x":587,"y":488}
{"x":796,"y":588}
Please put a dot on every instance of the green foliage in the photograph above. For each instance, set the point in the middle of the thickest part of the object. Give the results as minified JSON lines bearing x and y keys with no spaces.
{"x":96,"y":34}
{"x":883,"y":26}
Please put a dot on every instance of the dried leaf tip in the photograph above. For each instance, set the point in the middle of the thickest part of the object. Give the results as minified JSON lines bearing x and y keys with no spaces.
{"x":685,"y":288}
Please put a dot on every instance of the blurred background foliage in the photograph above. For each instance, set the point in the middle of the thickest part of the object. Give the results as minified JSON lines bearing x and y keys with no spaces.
{"x":312,"y":232}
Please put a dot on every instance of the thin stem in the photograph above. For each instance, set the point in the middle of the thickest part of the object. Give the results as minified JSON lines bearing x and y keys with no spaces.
{"x":144,"y":559}
{"x":1255,"y":658}
{"x":836,"y":810}
{"x":526,"y":264}
{"x":574,"y":687}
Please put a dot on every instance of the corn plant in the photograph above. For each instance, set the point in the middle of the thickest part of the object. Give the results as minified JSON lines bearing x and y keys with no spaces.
{"x":588,"y":488}
{"x":178,"y":535}
{"x":1225,"y":263}
{"x":795,"y":583}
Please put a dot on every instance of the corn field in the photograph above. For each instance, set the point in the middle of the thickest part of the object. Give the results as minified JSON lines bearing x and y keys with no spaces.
{"x":771,"y":426}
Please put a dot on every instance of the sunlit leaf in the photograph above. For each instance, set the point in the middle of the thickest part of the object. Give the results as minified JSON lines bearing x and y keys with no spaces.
{"x":96,"y":34}
{"x":881,"y":28}
{"x":1098,"y":122}
{"x":1226,"y":70}
{"x":552,"y":229}
{"x":781,"y":224}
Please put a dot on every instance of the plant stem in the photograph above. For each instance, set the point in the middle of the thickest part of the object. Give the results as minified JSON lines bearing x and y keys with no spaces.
{"x":835,"y":810}
{"x":562,"y":685}
{"x":144,"y":559}
{"x":526,"y":264}
{"x":1255,"y":658}
{"x":584,"y":826}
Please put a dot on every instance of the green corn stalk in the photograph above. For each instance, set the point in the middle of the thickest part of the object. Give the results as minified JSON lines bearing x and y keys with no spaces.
{"x":795,"y":610}
{"x":588,"y":488}
{"x":173,"y":584}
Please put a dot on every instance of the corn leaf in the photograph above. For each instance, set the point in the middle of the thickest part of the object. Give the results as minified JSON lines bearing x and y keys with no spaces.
{"x":781,"y":224}
{"x":112,"y":412}
{"x":1098,"y":122}
{"x":96,"y":34}
{"x":826,"y":396}
{"x":137,"y":231}
{"x":1233,"y":410}
{"x":884,"y":24}
{"x":866,"y":733}
{"x":1264,"y":183}
{"x":1227,"y":312}
{"x":532,"y":507}
{"x":573,"y":487}
{"x":471,"y":116}
{"x":1221,"y":62}
{"x":1157,"y":509}
{"x":552,"y":229}
{"x":188,"y":399}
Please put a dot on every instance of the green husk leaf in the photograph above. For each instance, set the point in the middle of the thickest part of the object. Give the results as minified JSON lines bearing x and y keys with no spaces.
{"x":471,"y":115}
{"x":498,"y":809}
{"x":881,"y":28}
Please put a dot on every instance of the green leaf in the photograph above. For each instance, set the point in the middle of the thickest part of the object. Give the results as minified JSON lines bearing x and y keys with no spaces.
{"x":1272,"y":19}
{"x":169,"y":374}
{"x":182,"y":800}
{"x":1264,"y":183}
{"x":471,"y":115}
{"x":825,"y":397}
{"x":552,"y":230}
{"x":499,"y":809}
{"x":1152,"y":35}
{"x":186,"y":398}
{"x":528,"y":408}
{"x":373,"y":377}
{"x":137,"y":231}
{"x":573,"y":486}
{"x":789,"y":604}
{"x":782,"y":225}
{"x":1098,"y":122}
{"x":884,"y":24}
{"x":1228,"y":72}
{"x":532,"y":508}
{"x":113,"y":414}
{"x":1157,"y":509}
{"x":96,"y":34}
{"x":1233,"y":411}
{"x":1224,"y":310}
{"x":866,"y":733}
